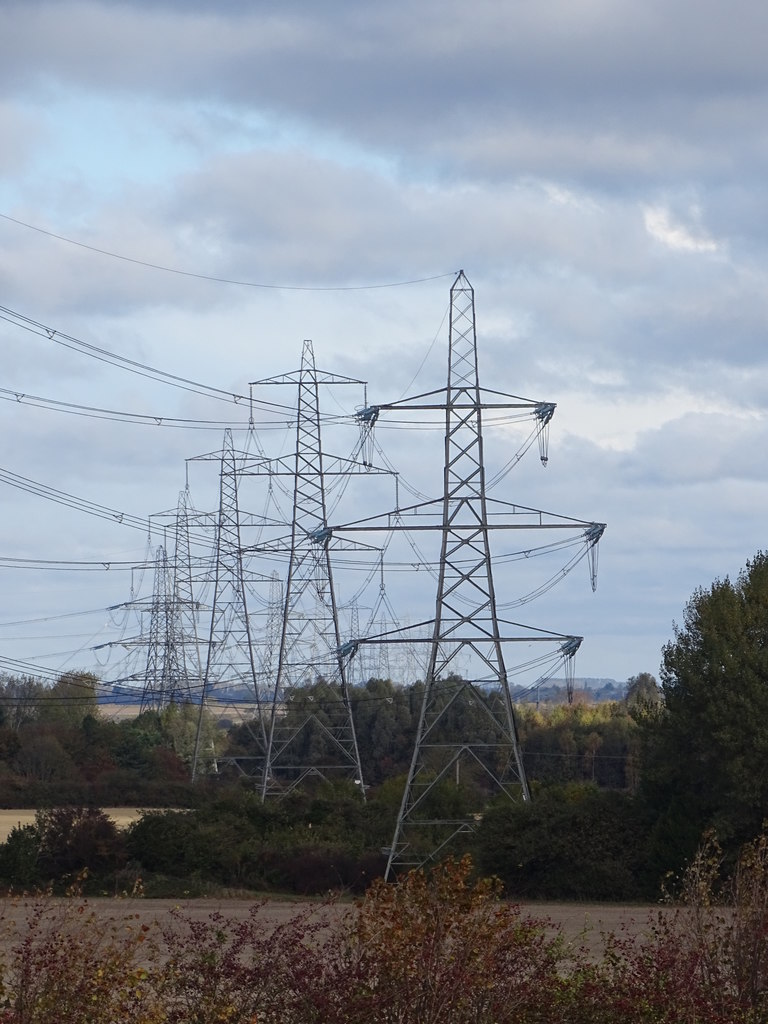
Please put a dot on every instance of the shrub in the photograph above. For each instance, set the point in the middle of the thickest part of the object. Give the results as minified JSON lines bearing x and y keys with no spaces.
{"x":571,"y":842}
{"x":433,"y":947}
{"x":236,"y":971}
{"x":70,"y":965}
{"x":441,"y":947}
{"x":20,"y":858}
{"x":76,"y":838}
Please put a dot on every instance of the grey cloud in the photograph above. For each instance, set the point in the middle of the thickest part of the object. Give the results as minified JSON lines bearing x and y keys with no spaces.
{"x":701,"y":447}
{"x":21,"y":134}
{"x":615,"y":92}
{"x":584,"y":285}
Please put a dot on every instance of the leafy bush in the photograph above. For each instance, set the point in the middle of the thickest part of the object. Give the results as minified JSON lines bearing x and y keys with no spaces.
{"x":76,"y":838}
{"x":574,"y":842}
{"x":70,"y":965}
{"x":20,"y":858}
{"x":438,"y":947}
{"x":240,"y":843}
{"x":444,"y":948}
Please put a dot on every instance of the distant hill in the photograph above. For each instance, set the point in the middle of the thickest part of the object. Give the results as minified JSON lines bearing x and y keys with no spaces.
{"x":555,"y":690}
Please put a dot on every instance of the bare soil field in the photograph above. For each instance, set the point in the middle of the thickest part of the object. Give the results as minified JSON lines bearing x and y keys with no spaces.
{"x":582,"y":925}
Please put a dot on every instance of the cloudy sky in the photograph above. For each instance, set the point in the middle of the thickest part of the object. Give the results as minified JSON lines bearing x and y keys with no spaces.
{"x":198,"y":187}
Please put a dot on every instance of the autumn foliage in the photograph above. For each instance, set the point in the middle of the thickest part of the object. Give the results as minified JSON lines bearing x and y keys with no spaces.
{"x":437,"y":947}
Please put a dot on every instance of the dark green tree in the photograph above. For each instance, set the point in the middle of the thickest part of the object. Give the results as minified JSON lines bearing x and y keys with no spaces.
{"x":706,"y":748}
{"x":385,"y":728}
{"x":75,"y":838}
{"x":570,"y":842}
{"x":19,"y":858}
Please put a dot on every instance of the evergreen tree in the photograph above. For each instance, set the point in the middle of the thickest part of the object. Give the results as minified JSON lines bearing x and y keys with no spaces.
{"x":707,"y":746}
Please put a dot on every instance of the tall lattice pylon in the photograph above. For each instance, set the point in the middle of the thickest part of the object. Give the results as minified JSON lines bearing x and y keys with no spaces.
{"x":303,"y":739}
{"x":186,"y":602}
{"x":467,"y":731}
{"x":165,"y":678}
{"x":230,"y":657}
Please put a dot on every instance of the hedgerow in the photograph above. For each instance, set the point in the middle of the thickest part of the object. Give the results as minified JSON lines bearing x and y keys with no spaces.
{"x":432,"y":947}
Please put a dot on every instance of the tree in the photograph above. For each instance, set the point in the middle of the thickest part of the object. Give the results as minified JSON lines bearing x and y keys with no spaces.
{"x":74,"y":838}
{"x":642,"y":690}
{"x":19,"y":857}
{"x":385,"y":728}
{"x":70,"y":699}
{"x":707,"y":746}
{"x":569,"y":842}
{"x":181,"y":722}
{"x":19,"y":700}
{"x":41,"y":757}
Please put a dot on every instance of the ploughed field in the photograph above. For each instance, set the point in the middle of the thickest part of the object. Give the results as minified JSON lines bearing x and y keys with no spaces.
{"x":581,"y":924}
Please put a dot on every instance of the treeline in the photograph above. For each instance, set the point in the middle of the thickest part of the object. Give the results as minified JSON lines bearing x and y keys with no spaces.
{"x":561,"y":743}
{"x":59,"y":754}
{"x":622,"y":791}
{"x":230,"y":842}
{"x":56,"y":745}
{"x":57,"y":749}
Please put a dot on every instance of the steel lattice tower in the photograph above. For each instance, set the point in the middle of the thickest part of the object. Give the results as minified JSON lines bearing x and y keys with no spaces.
{"x":467,"y":716}
{"x":165,"y":680}
{"x":187,"y":606}
{"x":230,"y":658}
{"x":310,"y":648}
{"x":466,"y":602}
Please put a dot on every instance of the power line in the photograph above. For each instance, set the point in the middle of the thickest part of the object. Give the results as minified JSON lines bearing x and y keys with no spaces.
{"x":72,"y":501}
{"x":224,"y":280}
{"x":54,"y":564}
{"x":63,"y":615}
{"x":119,"y":416}
{"x":105,"y":356}
{"x":17,"y":319}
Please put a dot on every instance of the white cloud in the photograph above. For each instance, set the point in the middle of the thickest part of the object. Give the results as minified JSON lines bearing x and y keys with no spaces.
{"x":660,"y":225}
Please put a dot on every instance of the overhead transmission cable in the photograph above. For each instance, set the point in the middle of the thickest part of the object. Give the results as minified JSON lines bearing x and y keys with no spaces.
{"x":286,"y":414}
{"x":62,"y":615}
{"x":115,"y":415}
{"x":106,"y":356}
{"x":223,"y":280}
{"x":134,"y":366}
{"x":60,"y":565}
{"x":72,"y":501}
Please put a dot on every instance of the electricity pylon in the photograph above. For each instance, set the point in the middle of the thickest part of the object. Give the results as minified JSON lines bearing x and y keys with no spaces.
{"x":467,"y":715}
{"x":230,"y":658}
{"x":303,"y":739}
{"x":165,"y":680}
{"x":187,"y":605}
